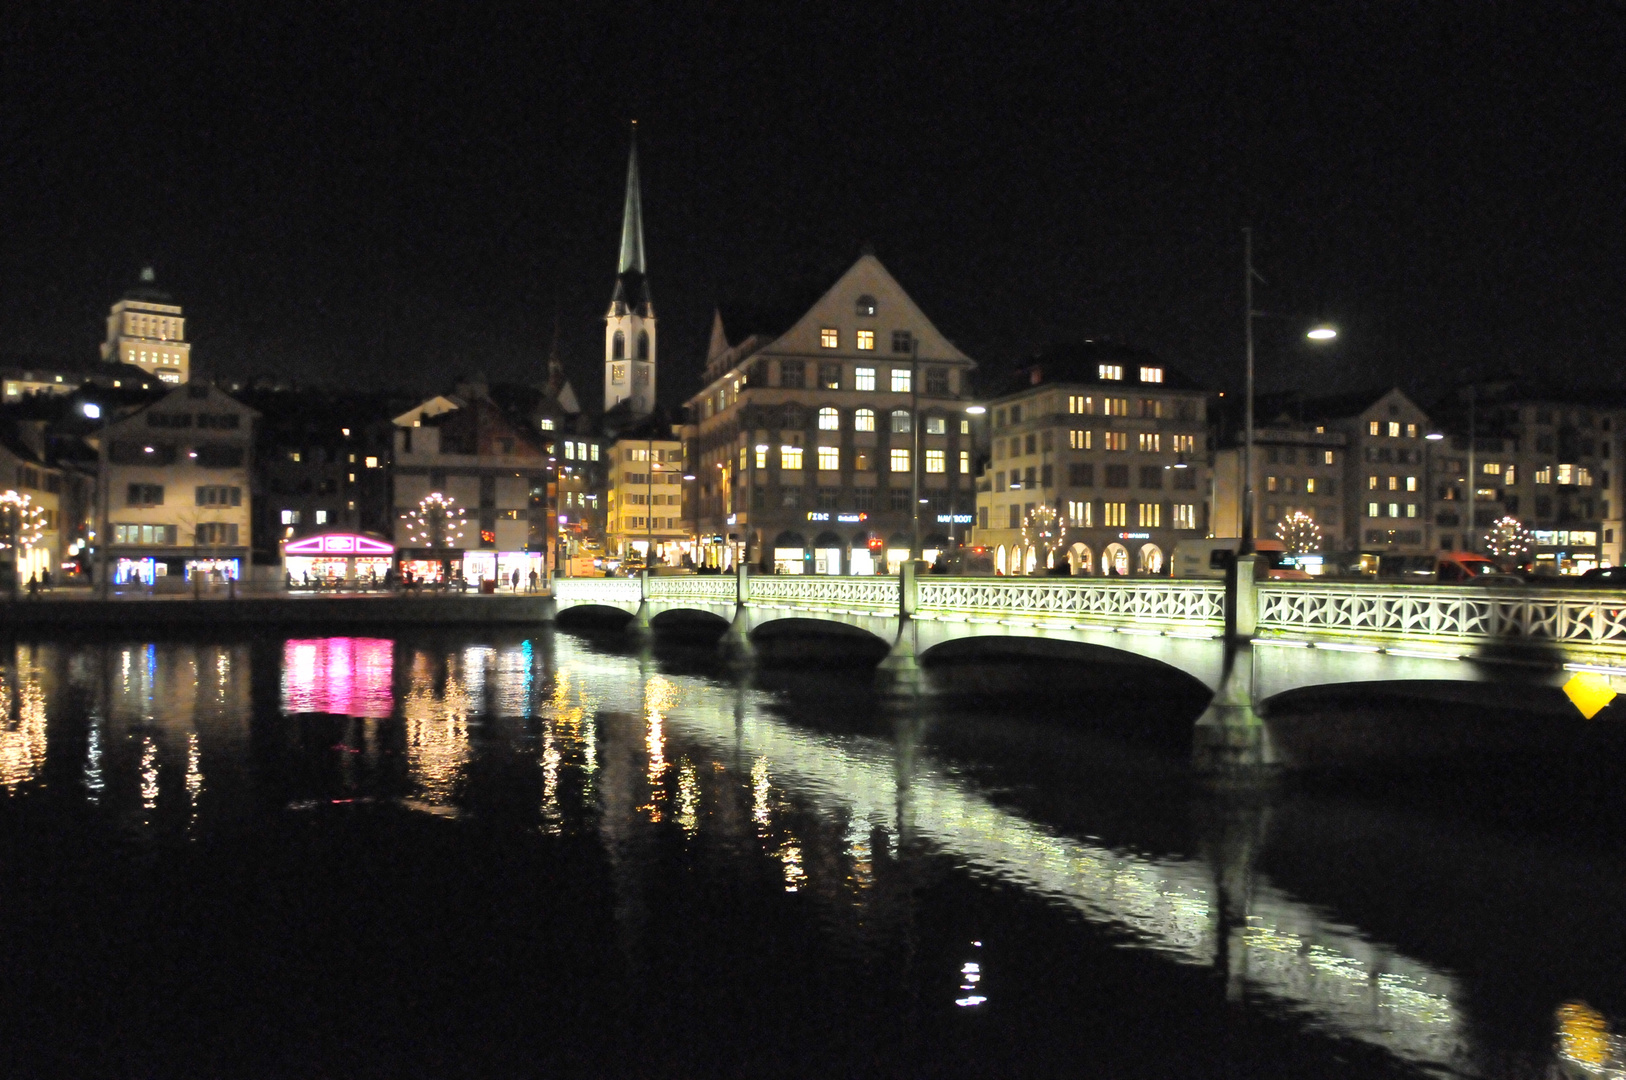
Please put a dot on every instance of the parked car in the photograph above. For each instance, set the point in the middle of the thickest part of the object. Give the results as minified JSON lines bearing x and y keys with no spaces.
{"x":1469,"y":568}
{"x":1604,"y":577}
{"x":1211,"y":558}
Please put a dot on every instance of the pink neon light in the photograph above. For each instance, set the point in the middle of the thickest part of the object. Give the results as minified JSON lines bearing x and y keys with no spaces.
{"x":337,"y":544}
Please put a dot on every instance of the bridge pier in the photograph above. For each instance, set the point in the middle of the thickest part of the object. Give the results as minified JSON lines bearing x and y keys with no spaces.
{"x":1230,"y":740}
{"x":899,"y":674}
{"x":736,"y":645}
{"x":639,"y":629}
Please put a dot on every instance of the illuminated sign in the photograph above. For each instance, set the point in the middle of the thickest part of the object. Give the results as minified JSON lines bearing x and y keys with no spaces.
{"x":1134,"y":536}
{"x":954,"y":519}
{"x":818,"y":515}
{"x":852,"y":518}
{"x":338,"y":544}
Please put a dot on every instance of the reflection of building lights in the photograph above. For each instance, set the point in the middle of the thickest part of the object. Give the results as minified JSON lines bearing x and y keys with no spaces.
{"x":194,"y":772}
{"x":437,"y":731}
{"x":342,"y":676}
{"x":149,"y":773}
{"x":759,"y":792}
{"x":1583,"y":1035}
{"x":790,"y":857}
{"x":550,"y":780}
{"x":22,"y":743}
{"x":94,"y":782}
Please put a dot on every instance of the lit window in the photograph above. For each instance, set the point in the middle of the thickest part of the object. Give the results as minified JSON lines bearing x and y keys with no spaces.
{"x":864,"y":419}
{"x":1110,"y":371}
{"x":1372,"y":428}
{"x":866,"y":307}
{"x":965,"y":462}
{"x":1185,"y":444}
{"x":864,"y":378}
{"x":595,"y":451}
{"x":1309,"y":486}
{"x":1411,"y":510}
{"x":1078,"y":440}
{"x":1394,"y":483}
{"x":1566,"y":474}
{"x":1411,"y":483}
{"x":1185,"y":516}
{"x":1151,"y":515}
{"x":290,"y":517}
{"x":1372,"y":510}
{"x":762,"y":456}
{"x":1492,"y":468}
{"x":902,"y":379}
{"x":1151,"y":374}
{"x":321,"y":517}
{"x":547,"y":424}
{"x":936,"y":425}
{"x":1151,"y":442}
{"x":1394,"y":509}
{"x":1371,"y":483}
{"x":935,"y":462}
{"x":1326,"y":457}
{"x":372,"y":463}
{"x":1078,"y":513}
{"x":1114,"y":515}
{"x":1116,"y":406}
{"x":790,"y":457}
{"x":1115,"y":440}
{"x":1394,"y":429}
{"x":1081,"y":404}
{"x":866,"y":339}
{"x":1583,"y":476}
{"x":1270,"y":483}
{"x":829,"y":458}
{"x":1544,"y":475}
{"x":965,"y":427}
{"x":898,"y":460}
{"x":900,"y":422}
{"x":829,"y":419}
{"x":830,"y":338}
{"x":1411,"y":431}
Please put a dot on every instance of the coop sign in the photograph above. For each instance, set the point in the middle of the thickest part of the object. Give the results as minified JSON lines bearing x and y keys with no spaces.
{"x":1134,"y":536}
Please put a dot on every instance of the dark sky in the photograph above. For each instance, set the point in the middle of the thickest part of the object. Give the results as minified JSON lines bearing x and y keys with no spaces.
{"x":358,"y":194}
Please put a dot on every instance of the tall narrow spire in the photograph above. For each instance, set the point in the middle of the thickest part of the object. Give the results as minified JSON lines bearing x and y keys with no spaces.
{"x":632,"y":219}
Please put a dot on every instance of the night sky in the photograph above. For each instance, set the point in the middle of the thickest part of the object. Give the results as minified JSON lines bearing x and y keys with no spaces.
{"x":378,"y":195}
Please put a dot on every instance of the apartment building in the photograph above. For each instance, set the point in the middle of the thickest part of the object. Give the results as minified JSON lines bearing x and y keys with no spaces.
{"x":819,"y":423}
{"x":1112,"y":441}
{"x":645,"y":518}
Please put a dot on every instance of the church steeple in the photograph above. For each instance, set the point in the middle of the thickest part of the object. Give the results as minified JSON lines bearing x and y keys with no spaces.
{"x":629,"y":325}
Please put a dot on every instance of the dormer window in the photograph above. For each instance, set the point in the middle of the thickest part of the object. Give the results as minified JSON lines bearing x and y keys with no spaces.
{"x":1151,"y":374}
{"x":1110,"y":371}
{"x":867,"y":307}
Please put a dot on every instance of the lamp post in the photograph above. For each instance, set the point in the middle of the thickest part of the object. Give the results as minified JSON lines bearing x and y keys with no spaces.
{"x":1469,"y":540}
{"x":93,"y":411}
{"x":914,"y":454}
{"x":1318,"y":333}
{"x":1431,"y":522}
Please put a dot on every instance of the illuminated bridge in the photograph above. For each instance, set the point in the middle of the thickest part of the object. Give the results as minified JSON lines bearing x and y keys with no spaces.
{"x":1247,"y":642}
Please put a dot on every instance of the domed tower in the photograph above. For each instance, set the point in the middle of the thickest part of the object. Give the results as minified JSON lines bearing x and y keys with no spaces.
{"x":629,"y":325}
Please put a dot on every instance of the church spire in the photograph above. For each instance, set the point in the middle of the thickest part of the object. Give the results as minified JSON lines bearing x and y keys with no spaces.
{"x":632,"y":218}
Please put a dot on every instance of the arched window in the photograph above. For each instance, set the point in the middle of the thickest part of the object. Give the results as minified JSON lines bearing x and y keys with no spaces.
{"x":866,"y":306}
{"x":900,"y":421}
{"x":999,"y":559}
{"x":643,"y":344}
{"x":618,"y":346}
{"x":829,"y":419}
{"x":864,"y":420}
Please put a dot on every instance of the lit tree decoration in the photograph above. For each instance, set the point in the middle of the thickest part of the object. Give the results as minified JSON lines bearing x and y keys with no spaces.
{"x":1043,"y":527}
{"x":1508,"y":540}
{"x":22,"y":522}
{"x":437,"y":522}
{"x":1299,"y":533}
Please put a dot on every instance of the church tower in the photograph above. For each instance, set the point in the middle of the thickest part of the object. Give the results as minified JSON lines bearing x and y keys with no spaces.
{"x":629,"y":325}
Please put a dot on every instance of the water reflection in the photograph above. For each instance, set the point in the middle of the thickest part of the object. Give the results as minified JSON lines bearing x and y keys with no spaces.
{"x":573,"y":742}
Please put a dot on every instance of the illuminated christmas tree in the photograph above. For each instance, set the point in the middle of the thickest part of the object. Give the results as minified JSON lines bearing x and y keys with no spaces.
{"x":1508,"y":541}
{"x":1044,"y":528}
{"x":437,"y":522}
{"x":22,"y":522}
{"x":1299,"y":533}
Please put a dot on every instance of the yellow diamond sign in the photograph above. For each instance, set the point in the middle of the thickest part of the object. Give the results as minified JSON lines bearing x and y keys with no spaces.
{"x":1589,"y":692}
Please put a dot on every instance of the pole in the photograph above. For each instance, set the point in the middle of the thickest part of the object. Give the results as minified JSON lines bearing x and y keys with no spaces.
{"x":649,"y":501}
{"x":914,"y":459}
{"x":1246,"y":545}
{"x":103,"y":529}
{"x":1471,"y":540}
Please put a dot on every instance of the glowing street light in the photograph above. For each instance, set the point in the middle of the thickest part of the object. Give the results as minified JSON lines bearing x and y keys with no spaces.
{"x":1322,"y":333}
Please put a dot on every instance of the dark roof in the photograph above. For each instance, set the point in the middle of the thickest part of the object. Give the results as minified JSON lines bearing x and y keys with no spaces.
{"x":1080,"y":362}
{"x":1300,"y":407}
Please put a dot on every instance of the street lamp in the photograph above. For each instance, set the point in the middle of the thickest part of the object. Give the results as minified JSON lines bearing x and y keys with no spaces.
{"x":93,"y":411}
{"x":1319,"y":332}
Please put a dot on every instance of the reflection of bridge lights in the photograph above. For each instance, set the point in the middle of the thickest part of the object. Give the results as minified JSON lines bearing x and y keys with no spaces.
{"x":688,"y":798}
{"x":1584,"y":1037}
{"x":790,"y":857}
{"x":759,"y":791}
{"x":149,"y":773}
{"x":194,"y":772}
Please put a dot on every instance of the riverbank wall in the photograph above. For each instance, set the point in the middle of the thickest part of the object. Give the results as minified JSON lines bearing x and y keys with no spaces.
{"x":249,"y":611}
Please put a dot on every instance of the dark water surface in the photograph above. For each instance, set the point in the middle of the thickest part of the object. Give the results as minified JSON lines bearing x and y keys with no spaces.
{"x":478,"y":855}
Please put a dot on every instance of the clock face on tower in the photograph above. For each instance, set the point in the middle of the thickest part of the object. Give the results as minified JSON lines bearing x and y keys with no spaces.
{"x":640,"y":378}
{"x":618,"y":373}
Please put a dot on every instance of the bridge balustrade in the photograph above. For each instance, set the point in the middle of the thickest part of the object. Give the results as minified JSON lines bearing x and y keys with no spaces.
{"x":1148,"y":601}
{"x":1455,"y":614}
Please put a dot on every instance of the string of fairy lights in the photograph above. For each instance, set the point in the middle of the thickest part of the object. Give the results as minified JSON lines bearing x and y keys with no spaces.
{"x":22,"y":521}
{"x":1044,"y":528}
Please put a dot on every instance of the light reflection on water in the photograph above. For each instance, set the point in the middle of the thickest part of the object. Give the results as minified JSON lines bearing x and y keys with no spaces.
{"x":616,"y":747}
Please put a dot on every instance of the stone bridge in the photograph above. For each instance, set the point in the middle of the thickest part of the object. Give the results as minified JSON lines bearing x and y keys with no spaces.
{"x":1246,"y":641}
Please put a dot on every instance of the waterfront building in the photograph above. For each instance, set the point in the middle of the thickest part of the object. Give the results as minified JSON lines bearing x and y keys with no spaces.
{"x":645,"y":513}
{"x":34,"y":529}
{"x":1112,"y":442}
{"x":470,"y":490}
{"x":29,"y":376}
{"x":630,"y":344}
{"x":147,"y":330}
{"x":178,"y":499}
{"x":811,"y":424}
{"x":1358,"y":463}
{"x":1548,"y":458}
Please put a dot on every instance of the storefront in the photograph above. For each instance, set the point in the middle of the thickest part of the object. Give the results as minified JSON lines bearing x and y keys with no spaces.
{"x":335,"y":557}
{"x":1565,"y":551}
{"x":501,"y":566}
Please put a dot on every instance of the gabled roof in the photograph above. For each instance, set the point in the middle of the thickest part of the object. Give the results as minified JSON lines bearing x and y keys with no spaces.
{"x":1081,"y":363}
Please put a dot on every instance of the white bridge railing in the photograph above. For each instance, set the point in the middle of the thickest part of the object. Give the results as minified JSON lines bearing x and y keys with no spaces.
{"x":1158,"y":602}
{"x":1460,"y":614}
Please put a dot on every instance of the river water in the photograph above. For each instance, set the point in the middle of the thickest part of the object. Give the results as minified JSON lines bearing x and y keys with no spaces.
{"x":484,"y":855}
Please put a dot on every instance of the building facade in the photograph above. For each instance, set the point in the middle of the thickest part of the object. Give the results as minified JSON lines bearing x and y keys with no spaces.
{"x":178,"y":500}
{"x":1098,"y":465}
{"x":646,"y":522}
{"x":146,"y":330}
{"x":827,"y":438}
{"x":470,"y":493}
